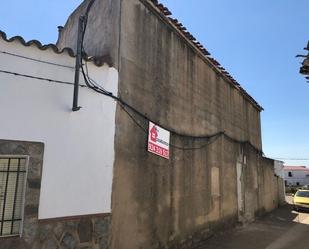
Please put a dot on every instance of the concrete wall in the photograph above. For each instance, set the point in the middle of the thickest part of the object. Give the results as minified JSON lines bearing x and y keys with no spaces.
{"x":268,"y":192}
{"x":177,"y":203}
{"x":279,"y":168}
{"x":103,"y":17}
{"x":279,"y":171}
{"x":259,"y":189}
{"x":281,"y":191}
{"x":79,"y":147}
{"x":165,"y":203}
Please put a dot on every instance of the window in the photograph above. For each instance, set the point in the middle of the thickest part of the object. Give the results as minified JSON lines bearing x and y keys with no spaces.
{"x":290,"y":174}
{"x":12,"y":185}
{"x":302,"y":194}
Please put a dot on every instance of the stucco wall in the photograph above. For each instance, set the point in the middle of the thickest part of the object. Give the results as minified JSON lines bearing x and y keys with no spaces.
{"x":298,"y":176}
{"x":195,"y":192}
{"x":84,"y":232}
{"x":103,"y":17}
{"x":152,"y":58}
{"x":79,"y":147}
{"x":159,"y":203}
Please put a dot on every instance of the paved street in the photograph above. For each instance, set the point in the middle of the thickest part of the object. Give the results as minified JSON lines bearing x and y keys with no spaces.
{"x":282,"y":229}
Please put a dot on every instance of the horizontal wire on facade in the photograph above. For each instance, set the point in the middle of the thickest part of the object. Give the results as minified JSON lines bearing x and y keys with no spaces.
{"x":96,"y":87}
{"x":38,"y":78}
{"x":123,"y":104}
{"x":90,"y":83}
{"x":215,"y":136}
{"x":170,"y":144}
{"x":36,"y":60}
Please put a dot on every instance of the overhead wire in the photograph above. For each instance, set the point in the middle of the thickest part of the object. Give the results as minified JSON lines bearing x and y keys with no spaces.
{"x":39,"y":78}
{"x":36,"y":60}
{"x":125,"y":106}
{"x":145,"y":130}
{"x":92,"y":84}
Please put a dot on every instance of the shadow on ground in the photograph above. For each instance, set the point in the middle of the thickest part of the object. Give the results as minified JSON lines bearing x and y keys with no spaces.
{"x":281,"y":229}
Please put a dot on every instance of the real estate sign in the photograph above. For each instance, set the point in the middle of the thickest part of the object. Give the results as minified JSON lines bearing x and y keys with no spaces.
{"x":158,"y":140}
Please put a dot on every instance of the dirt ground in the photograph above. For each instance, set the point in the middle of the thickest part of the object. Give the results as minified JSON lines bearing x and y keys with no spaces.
{"x":281,"y":229}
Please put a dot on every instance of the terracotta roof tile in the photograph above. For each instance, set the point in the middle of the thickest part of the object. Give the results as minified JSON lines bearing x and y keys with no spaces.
{"x":39,"y":45}
{"x":298,"y":168}
{"x":179,"y":26}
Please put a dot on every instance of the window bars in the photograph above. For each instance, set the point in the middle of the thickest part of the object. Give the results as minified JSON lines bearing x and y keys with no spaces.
{"x":12,"y":185}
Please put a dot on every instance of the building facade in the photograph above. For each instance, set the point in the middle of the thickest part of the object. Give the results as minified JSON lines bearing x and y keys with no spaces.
{"x":96,"y":185}
{"x":279,"y":171}
{"x":173,"y":81}
{"x":54,"y":163}
{"x":296,"y":175}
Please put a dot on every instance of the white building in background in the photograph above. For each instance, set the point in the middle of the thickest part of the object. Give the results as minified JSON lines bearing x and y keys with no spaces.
{"x":279,"y":171}
{"x":296,"y":175}
{"x":279,"y":168}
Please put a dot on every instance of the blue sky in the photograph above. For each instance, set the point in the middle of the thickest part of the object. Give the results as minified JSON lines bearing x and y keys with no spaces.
{"x":255,"y":40}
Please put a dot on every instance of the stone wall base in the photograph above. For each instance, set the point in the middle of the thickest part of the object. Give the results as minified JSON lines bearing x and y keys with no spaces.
{"x":81,"y":233}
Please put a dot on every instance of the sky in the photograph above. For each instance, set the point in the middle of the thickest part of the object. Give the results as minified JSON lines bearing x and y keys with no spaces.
{"x":255,"y":40}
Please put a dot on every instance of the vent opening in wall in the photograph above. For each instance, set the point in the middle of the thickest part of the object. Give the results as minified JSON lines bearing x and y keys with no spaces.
{"x":12,"y":186}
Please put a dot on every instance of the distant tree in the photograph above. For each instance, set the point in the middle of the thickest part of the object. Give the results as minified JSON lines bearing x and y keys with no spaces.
{"x":305,"y":64}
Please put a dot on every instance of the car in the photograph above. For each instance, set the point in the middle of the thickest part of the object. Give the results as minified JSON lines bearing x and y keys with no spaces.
{"x":301,"y":200}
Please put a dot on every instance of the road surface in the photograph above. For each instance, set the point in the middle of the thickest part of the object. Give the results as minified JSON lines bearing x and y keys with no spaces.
{"x":281,"y":229}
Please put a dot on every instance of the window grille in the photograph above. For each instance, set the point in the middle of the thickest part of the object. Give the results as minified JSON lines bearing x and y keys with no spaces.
{"x":12,"y":184}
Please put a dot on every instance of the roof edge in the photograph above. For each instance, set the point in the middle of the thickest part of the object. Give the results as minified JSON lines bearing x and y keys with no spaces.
{"x":98,"y":61}
{"x":166,"y":14}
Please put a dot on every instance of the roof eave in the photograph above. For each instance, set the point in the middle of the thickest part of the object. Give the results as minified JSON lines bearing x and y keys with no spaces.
{"x":165,"y":14}
{"x":95,"y":60}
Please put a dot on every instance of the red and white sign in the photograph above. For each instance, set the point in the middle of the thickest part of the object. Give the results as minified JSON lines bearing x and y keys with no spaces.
{"x":158,"y":140}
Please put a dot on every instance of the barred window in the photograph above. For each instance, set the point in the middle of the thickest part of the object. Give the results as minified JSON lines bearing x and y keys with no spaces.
{"x":12,"y":185}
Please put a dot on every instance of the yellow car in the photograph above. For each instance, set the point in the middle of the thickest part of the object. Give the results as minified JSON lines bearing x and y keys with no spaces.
{"x":301,"y":200}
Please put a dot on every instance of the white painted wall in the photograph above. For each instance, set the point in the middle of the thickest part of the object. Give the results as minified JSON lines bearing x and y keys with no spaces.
{"x":79,"y":146}
{"x":279,"y":171}
{"x":279,"y":168}
{"x":298,"y":176}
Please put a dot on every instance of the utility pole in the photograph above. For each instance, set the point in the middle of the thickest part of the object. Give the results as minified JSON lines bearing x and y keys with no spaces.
{"x":78,"y":63}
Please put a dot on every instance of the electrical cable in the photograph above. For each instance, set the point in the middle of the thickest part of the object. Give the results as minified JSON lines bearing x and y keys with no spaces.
{"x":39,"y":78}
{"x":36,"y":60}
{"x":99,"y":89}
{"x":133,"y":119}
{"x":123,"y":104}
{"x":85,"y":17}
{"x":93,"y":81}
{"x":215,"y":136}
{"x":145,"y":130}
